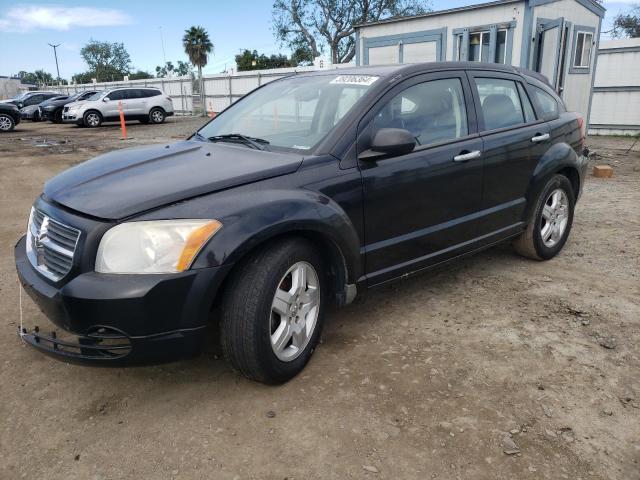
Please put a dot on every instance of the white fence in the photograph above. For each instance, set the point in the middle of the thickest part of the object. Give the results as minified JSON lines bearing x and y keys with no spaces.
{"x":180,"y":89}
{"x":222,"y":90}
{"x":615,"y":107}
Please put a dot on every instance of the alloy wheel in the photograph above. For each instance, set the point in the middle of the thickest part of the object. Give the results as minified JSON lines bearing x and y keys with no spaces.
{"x":5,"y":123}
{"x":156,"y":116}
{"x":294,"y":311}
{"x":93,"y":120}
{"x":555,"y":217}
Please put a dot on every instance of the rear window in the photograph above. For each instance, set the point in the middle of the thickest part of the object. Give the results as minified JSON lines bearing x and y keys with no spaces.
{"x":547,"y":104}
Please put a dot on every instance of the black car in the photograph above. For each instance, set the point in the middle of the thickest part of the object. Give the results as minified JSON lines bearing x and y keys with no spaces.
{"x":9,"y":117}
{"x":301,"y":193}
{"x":31,"y":98}
{"x":52,"y":109}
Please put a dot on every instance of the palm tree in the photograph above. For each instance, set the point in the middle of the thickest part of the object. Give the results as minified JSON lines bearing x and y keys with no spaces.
{"x":197,"y":46}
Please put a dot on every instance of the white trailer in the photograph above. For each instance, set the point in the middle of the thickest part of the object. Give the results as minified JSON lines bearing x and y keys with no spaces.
{"x":558,"y":38}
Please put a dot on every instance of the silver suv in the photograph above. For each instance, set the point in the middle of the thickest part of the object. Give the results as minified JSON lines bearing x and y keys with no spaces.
{"x":138,"y":103}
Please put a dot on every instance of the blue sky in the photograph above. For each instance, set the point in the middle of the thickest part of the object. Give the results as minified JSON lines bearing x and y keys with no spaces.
{"x":27,"y":27}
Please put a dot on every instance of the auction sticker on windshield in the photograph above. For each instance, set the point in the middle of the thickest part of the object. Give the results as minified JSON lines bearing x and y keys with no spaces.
{"x":365,"y":80}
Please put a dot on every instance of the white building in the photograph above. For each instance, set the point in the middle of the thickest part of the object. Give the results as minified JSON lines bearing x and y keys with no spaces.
{"x":615,"y":108}
{"x":558,"y":38}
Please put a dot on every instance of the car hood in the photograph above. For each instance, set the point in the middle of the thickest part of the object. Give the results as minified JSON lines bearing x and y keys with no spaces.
{"x":130,"y":181}
{"x":54,"y":103}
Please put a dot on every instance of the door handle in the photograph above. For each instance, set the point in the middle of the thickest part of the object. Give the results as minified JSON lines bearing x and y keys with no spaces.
{"x":540,"y":138}
{"x":465,"y":157}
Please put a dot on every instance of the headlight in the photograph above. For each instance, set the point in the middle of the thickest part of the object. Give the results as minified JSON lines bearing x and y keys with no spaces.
{"x":163,"y":246}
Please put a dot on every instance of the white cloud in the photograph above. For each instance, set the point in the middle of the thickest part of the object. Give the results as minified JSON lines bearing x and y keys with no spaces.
{"x":24,"y":18}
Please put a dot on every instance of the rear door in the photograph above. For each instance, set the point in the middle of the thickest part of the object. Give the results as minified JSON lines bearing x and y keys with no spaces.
{"x":136,"y":101}
{"x":420,"y":207}
{"x":513,"y":142}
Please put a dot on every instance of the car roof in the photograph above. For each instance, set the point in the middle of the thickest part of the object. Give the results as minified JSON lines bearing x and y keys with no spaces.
{"x":131,"y":88}
{"x":412,"y":68}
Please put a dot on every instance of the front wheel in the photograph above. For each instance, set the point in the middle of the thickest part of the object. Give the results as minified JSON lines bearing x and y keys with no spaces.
{"x":92,"y":119}
{"x":6,"y":123}
{"x":273,"y":311}
{"x":550,"y":221}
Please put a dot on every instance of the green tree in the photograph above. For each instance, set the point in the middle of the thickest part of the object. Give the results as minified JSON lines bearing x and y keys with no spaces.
{"x":251,"y":60}
{"x":169,"y":68}
{"x":107,"y":61}
{"x":198,"y":46}
{"x":39,"y":77}
{"x":140,"y":75}
{"x":313,"y":24}
{"x":627,"y":24}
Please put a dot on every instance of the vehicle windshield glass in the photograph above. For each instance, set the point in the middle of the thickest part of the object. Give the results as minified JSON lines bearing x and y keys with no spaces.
{"x":19,"y":96}
{"x":96,"y":96}
{"x":295,"y":113}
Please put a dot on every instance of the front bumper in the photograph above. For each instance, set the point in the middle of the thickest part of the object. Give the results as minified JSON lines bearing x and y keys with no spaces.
{"x":47,"y":114}
{"x":70,"y":117}
{"x":120,"y":320}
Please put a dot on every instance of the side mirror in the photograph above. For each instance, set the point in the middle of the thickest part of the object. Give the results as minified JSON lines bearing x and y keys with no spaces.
{"x":390,"y":142}
{"x":20,"y":105}
{"x":106,"y":99}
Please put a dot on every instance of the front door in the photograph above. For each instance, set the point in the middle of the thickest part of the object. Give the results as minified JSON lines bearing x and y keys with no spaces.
{"x":419,"y":207}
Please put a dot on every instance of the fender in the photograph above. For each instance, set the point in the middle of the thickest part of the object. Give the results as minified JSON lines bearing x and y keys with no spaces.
{"x":558,"y":157}
{"x":251,"y":217}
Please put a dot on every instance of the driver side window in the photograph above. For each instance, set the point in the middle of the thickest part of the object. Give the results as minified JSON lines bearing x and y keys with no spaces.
{"x":432,"y":111}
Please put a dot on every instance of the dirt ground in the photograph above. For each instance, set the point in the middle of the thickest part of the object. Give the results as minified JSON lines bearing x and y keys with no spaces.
{"x":433,"y":377}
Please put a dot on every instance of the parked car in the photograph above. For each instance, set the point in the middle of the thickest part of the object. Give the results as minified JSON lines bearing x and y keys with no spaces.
{"x":32,"y":112}
{"x":9,"y":117}
{"x":303,"y":192}
{"x":31,"y":98}
{"x":52,"y":109}
{"x":143,"y":104}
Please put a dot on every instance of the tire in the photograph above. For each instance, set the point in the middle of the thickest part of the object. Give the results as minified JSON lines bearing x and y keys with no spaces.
{"x":57,"y":116}
{"x":7,"y":123}
{"x":157,"y":115}
{"x":258,"y":342}
{"x":92,"y":119}
{"x":549,"y":222}
{"x":36,"y":117}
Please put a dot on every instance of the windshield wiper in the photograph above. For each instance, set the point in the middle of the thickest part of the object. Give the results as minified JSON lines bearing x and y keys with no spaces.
{"x":253,"y":142}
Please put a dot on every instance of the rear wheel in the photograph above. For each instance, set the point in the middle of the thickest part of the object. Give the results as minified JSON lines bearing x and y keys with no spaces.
{"x":6,"y":123}
{"x":157,"y":115}
{"x":57,"y":116}
{"x":273,"y":311}
{"x":92,"y":119}
{"x":550,"y":221}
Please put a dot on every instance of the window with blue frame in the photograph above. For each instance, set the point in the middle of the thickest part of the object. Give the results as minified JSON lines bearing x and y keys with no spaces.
{"x":490,"y":43}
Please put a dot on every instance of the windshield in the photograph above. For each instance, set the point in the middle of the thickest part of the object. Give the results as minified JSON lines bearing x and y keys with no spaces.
{"x":293,"y":113}
{"x":96,"y":95}
{"x":19,"y":96}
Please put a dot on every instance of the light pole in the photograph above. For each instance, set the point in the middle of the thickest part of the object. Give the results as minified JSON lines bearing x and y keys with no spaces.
{"x":55,"y":54}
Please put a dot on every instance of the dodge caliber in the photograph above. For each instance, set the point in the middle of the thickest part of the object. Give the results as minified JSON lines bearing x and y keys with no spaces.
{"x":304,"y":192}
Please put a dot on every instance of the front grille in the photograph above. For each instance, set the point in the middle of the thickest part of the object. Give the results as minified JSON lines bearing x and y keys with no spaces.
{"x":51,"y":245}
